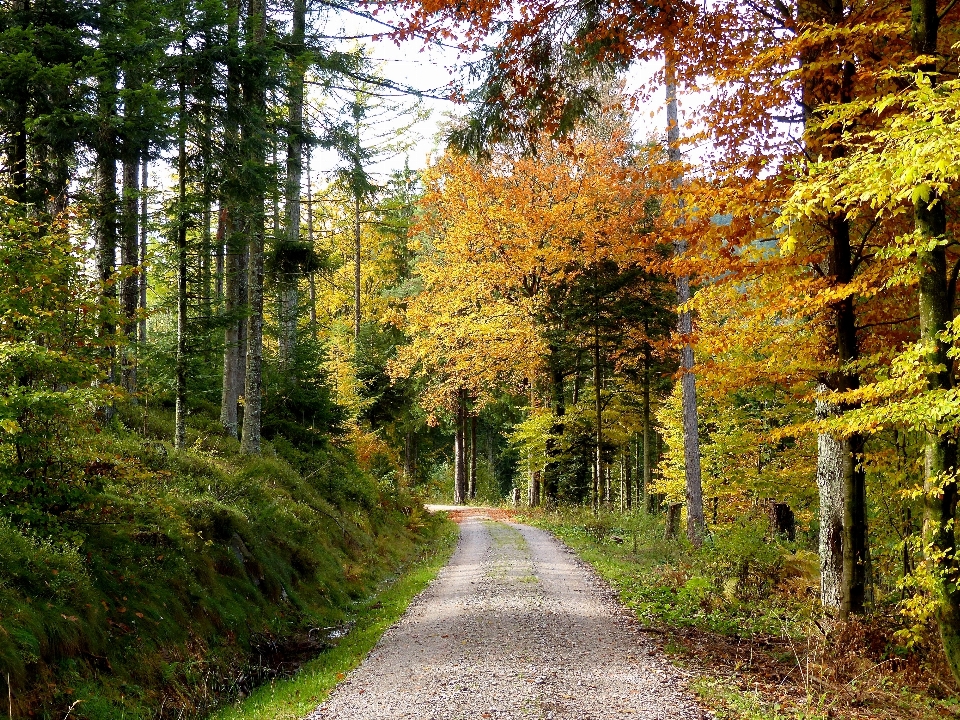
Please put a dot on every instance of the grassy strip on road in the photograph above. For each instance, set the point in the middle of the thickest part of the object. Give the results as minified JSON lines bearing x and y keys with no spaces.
{"x":294,"y":697}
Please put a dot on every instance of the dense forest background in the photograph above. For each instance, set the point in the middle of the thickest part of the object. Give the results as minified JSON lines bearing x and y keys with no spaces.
{"x":229,"y":376}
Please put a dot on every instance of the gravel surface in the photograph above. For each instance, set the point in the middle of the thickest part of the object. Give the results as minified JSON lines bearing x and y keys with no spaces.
{"x":515,"y":626}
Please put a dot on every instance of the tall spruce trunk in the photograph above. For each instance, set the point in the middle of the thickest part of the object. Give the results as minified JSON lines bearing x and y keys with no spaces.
{"x":107,"y":206}
{"x":130,"y":259}
{"x":936,"y":314}
{"x":144,"y":216}
{"x":312,"y":278}
{"x":180,"y":372}
{"x":255,"y":98}
{"x":230,"y":228}
{"x":696,"y":524}
{"x":356,"y":265}
{"x":597,"y":420}
{"x":551,"y":470}
{"x":289,"y":300}
{"x":16,"y":123}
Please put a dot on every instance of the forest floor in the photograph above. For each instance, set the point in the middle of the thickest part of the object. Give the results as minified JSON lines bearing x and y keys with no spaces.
{"x":514,"y":626}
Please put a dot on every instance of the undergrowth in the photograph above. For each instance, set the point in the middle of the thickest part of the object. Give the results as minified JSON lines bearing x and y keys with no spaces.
{"x":190,"y":577}
{"x":289,"y":699}
{"x":743,"y":614}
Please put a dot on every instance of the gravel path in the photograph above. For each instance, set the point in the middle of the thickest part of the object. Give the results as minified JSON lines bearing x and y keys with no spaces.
{"x":515,"y":626}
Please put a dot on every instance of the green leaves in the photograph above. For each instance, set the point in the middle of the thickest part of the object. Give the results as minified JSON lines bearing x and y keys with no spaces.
{"x":49,"y":365}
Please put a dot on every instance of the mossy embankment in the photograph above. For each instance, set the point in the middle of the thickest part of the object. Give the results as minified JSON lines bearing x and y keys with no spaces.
{"x":189,"y":577}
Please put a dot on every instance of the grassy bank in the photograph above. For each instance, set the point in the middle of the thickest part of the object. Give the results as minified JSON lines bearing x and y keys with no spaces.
{"x":743,"y":614}
{"x":189,"y":577}
{"x":292,"y":698}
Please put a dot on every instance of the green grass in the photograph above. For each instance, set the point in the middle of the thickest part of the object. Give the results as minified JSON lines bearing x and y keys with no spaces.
{"x":294,"y":697}
{"x":732,"y":703}
{"x":723,"y":588}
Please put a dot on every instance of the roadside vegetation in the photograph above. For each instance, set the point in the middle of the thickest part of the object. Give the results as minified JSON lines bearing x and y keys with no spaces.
{"x":189,"y":577}
{"x":742,"y":615}
{"x":292,"y":698}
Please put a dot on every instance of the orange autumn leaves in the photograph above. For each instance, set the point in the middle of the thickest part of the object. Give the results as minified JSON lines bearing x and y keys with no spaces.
{"x":497,"y":239}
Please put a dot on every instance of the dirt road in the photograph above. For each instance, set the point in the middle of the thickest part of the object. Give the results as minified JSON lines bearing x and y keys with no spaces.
{"x":513,"y":627}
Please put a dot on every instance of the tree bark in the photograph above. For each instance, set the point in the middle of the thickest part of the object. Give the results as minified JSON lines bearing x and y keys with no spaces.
{"x":254,"y":93}
{"x":533,"y":489}
{"x":472,"y":479}
{"x":824,"y":86}
{"x":627,"y":492}
{"x":671,"y":527}
{"x":830,"y":453}
{"x":647,"y":505}
{"x":936,"y":314}
{"x":289,"y":300}
{"x":180,"y":381}
{"x":459,"y":456}
{"x":235,"y":261}
{"x":696,"y":525}
{"x":312,"y":279}
{"x":107,"y":206}
{"x":409,"y":455}
{"x":598,"y":420}
{"x":144,"y":215}
{"x":17,"y":121}
{"x":356,"y":265}
{"x":130,"y":259}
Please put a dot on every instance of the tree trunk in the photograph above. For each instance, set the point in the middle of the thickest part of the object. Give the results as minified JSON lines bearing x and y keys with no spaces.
{"x":597,"y":419}
{"x":144,"y":215}
{"x":671,"y":528}
{"x":533,"y":489}
{"x":409,"y":455}
{"x":472,"y":481}
{"x":646,"y":429}
{"x":130,"y":259}
{"x":627,"y":491}
{"x":234,"y":334}
{"x":107,"y":202}
{"x":936,"y":314}
{"x":696,"y":525}
{"x":289,"y":300}
{"x":230,"y":226}
{"x":16,"y":130}
{"x":830,"y":452}
{"x":254,"y":93}
{"x":782,"y":520}
{"x":818,"y":88}
{"x":313,"y":281}
{"x":180,"y":392}
{"x":356,"y":267}
{"x":459,"y":456}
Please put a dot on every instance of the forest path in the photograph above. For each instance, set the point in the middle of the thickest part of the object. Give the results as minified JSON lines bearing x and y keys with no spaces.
{"x":515,"y":626}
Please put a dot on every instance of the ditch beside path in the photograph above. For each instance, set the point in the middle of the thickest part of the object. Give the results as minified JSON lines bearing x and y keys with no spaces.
{"x":515,"y":626}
